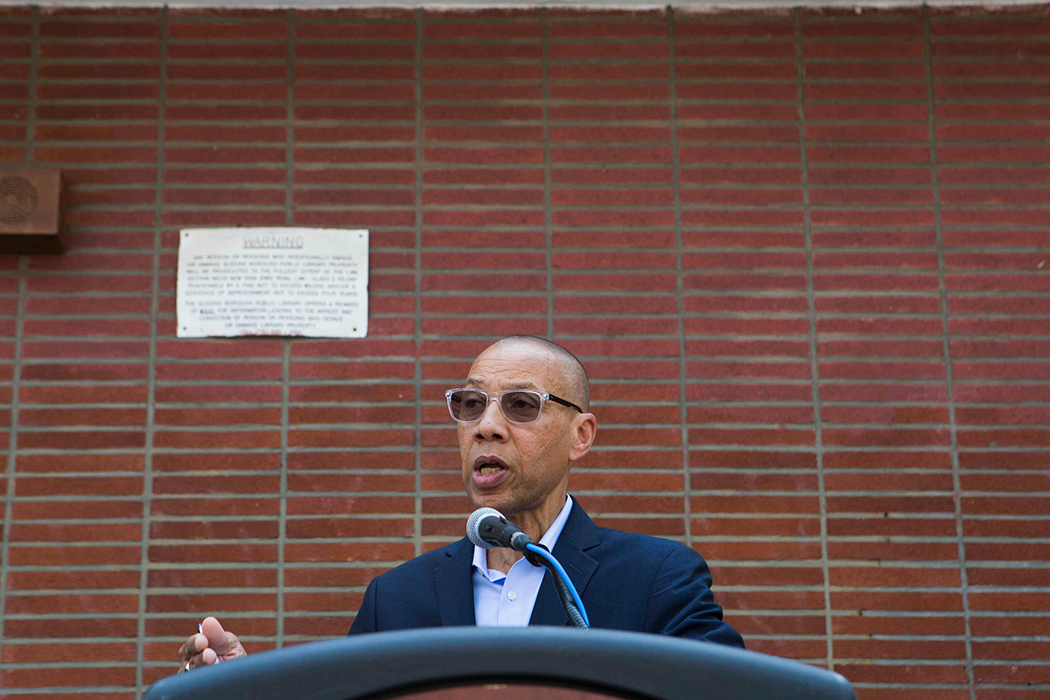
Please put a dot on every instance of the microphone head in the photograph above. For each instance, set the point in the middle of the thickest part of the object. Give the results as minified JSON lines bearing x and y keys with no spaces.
{"x":472,"y":526}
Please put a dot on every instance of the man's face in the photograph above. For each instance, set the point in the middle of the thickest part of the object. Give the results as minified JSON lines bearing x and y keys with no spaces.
{"x":517,"y":467}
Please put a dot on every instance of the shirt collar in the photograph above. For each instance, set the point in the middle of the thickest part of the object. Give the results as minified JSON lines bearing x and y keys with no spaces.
{"x":549,"y":539}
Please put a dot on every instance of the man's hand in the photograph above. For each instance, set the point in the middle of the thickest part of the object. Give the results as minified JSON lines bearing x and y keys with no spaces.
{"x":211,"y":645}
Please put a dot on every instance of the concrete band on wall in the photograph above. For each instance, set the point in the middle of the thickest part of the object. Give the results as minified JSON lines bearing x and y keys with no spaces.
{"x":459,"y":5}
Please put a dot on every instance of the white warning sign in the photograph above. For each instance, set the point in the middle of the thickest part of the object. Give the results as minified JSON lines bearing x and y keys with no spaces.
{"x":272,"y":281}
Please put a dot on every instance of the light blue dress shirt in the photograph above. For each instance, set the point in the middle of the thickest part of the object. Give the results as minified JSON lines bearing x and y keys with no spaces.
{"x":506,"y":600}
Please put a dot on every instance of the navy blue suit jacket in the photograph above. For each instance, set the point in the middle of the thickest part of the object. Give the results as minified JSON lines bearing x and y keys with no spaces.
{"x":627,"y":582}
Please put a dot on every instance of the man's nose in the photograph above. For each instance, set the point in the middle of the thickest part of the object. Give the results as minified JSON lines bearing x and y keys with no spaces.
{"x":491,"y":425}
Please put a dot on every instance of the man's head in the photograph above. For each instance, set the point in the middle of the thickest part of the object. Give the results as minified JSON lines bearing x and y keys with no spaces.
{"x":520,"y":468}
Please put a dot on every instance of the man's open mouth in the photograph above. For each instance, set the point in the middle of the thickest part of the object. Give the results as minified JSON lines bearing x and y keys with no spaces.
{"x":488,"y":464}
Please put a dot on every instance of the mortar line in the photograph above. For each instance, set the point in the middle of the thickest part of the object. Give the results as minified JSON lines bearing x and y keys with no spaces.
{"x":942,"y":288}
{"x":12,"y":449}
{"x":31,"y":104}
{"x":548,"y":217}
{"x":286,"y":350}
{"x":818,"y":425}
{"x":151,"y":376}
{"x":282,"y":535}
{"x":417,"y":526}
{"x":16,"y":362}
{"x":683,"y":378}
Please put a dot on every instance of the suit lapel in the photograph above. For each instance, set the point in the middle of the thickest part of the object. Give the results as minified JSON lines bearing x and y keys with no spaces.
{"x":454,"y":585}
{"x":578,"y":535}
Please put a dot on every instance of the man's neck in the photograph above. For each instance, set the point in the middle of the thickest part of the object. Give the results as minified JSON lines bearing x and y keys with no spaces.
{"x":502,"y":558}
{"x":533,"y":523}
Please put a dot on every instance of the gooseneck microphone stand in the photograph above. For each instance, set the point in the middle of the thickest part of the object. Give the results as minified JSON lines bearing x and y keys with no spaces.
{"x":538,"y":555}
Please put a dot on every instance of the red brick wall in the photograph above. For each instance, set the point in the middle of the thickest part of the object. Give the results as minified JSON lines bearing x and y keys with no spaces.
{"x":803,"y":256}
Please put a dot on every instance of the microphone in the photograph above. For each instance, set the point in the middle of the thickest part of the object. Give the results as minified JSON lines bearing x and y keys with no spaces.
{"x":487,"y":528}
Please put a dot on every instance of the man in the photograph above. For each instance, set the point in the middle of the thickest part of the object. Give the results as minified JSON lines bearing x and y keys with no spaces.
{"x":522,"y":420}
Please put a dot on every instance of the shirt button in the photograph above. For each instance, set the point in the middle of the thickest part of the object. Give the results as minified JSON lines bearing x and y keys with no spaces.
{"x":512,"y":595}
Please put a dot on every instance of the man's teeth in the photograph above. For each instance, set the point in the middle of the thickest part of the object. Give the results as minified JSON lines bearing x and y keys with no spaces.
{"x":490,"y":469}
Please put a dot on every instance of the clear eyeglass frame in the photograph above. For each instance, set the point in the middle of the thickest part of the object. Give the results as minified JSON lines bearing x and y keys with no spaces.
{"x":543,"y":397}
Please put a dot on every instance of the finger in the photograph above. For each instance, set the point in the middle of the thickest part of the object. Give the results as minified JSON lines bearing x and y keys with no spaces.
{"x":205,"y":658}
{"x":218,"y":639}
{"x":191,"y":663}
{"x":193,"y":646}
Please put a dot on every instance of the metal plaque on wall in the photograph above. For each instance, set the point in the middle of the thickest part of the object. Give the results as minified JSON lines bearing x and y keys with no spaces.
{"x":272,"y":282}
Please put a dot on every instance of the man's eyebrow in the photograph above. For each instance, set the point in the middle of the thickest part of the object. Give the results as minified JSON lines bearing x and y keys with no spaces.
{"x":471,"y":381}
{"x":521,"y":385}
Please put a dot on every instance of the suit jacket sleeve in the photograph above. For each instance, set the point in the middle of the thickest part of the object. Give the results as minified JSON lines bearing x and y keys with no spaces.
{"x":366,"y":616}
{"x":681,"y":604}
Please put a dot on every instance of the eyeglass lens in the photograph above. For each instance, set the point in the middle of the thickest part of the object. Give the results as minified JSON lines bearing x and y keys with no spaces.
{"x":517,"y":406}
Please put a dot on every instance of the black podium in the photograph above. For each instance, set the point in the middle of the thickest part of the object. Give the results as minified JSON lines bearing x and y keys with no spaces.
{"x":487,"y":663}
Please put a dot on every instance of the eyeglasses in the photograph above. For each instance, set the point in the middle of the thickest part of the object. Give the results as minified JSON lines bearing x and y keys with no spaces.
{"x":517,"y":405}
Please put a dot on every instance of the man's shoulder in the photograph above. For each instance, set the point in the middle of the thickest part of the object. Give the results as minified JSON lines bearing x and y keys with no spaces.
{"x":635,"y":544}
{"x":608,"y":534}
{"x":424,"y":563}
{"x":604,"y":542}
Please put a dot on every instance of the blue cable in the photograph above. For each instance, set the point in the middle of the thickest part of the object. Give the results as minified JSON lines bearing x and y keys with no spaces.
{"x":564,"y":577}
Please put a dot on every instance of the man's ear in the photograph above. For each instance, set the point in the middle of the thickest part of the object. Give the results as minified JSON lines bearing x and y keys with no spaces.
{"x":584,"y":427}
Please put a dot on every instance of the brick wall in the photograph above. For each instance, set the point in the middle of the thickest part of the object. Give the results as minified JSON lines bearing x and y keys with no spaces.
{"x":803,"y":256}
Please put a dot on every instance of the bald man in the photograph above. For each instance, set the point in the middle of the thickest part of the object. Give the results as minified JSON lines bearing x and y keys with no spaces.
{"x":523,"y":418}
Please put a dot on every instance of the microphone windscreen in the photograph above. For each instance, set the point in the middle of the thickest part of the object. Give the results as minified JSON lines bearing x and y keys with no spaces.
{"x":472,"y":526}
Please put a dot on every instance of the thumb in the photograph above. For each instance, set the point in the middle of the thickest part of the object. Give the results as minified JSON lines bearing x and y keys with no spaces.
{"x":219,"y":640}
